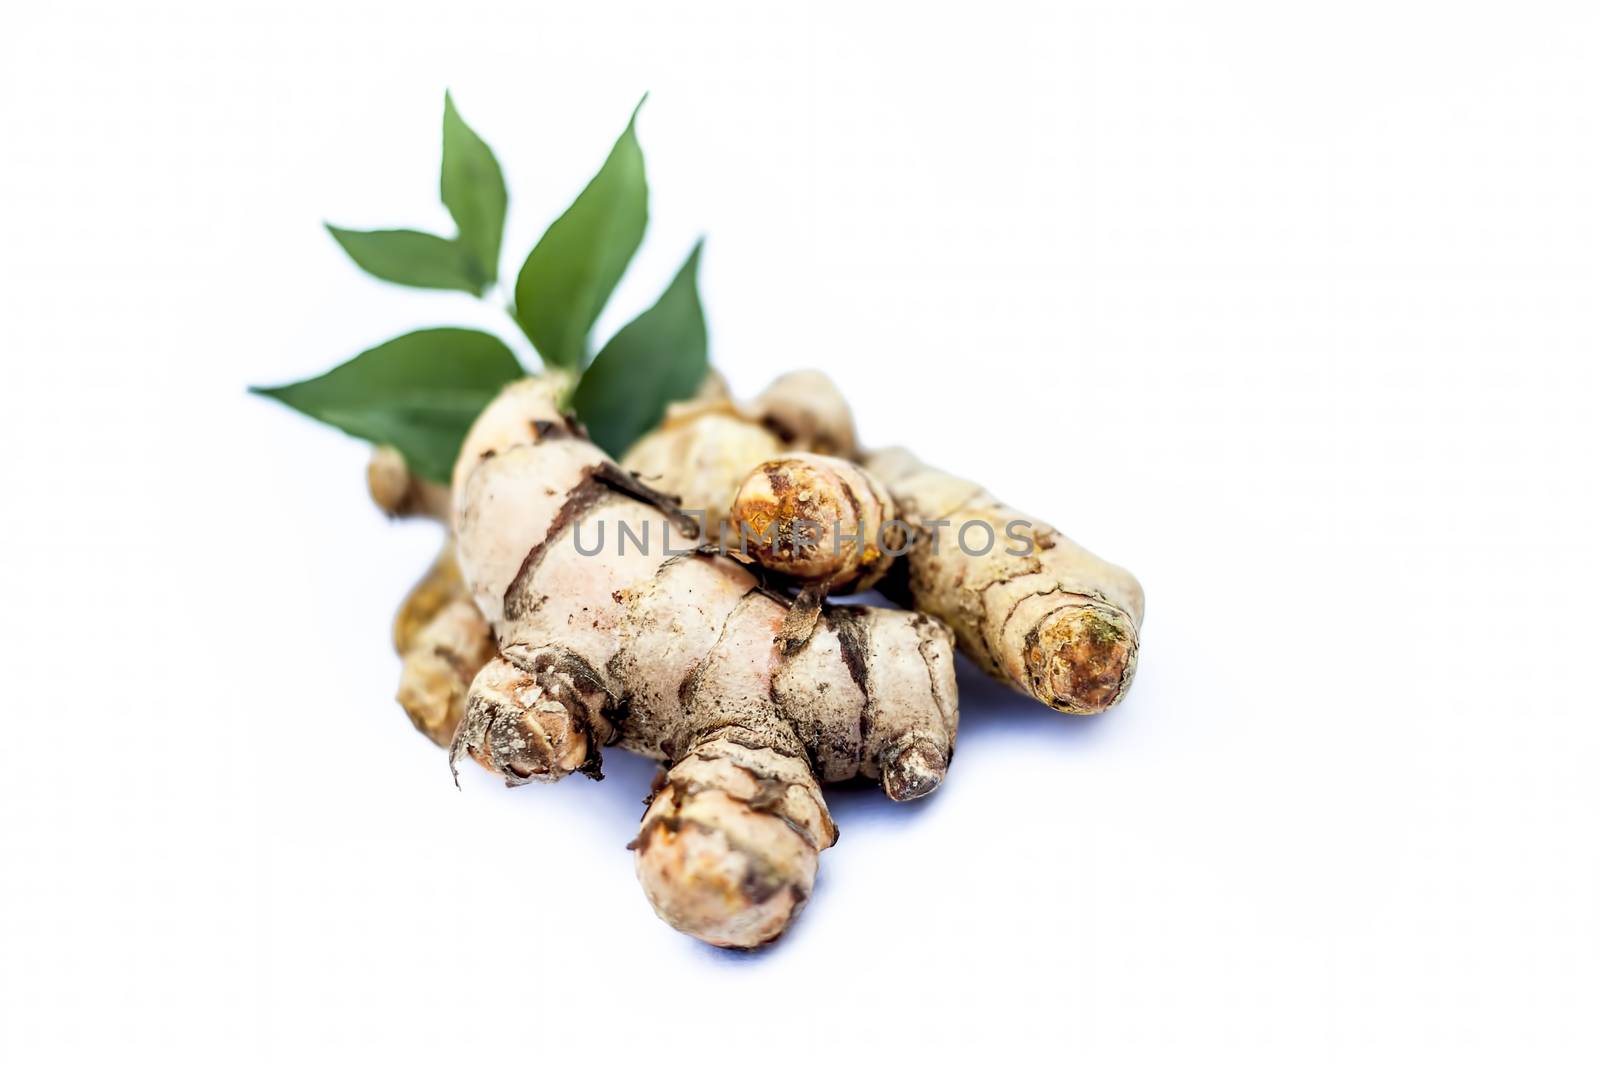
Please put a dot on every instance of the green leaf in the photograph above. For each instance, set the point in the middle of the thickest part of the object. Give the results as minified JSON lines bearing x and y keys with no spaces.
{"x":569,"y":275}
{"x":418,"y":392}
{"x":657,"y":358}
{"x":410,"y":257}
{"x":471,"y":186}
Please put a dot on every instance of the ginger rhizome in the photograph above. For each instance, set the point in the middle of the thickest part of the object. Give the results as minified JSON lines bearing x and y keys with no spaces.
{"x":821,"y":521}
{"x":705,"y":447}
{"x":675,"y":657}
{"x":807,"y":412}
{"x":1058,"y":622}
{"x":1031,"y":607}
{"x":698,"y":454}
{"x":818,"y":519}
{"x":442,"y":639}
{"x":1050,"y":619}
{"x":443,"y":642}
{"x":399,"y":493}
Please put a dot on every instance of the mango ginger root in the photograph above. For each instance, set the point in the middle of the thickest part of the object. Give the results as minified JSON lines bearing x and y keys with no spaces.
{"x":1032,"y":608}
{"x":443,"y":642}
{"x":1058,"y":623}
{"x":674,"y":656}
{"x":704,"y":447}
{"x":820,"y":520}
{"x":441,"y":638}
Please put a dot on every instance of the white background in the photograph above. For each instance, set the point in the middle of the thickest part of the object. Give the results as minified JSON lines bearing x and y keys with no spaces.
{"x":1291,"y":308}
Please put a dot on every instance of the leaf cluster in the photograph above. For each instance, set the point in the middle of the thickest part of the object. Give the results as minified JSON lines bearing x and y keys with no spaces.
{"x":421,"y":391}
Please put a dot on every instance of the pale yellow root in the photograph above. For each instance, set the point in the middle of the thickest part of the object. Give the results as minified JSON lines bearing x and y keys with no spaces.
{"x":1057,"y":622}
{"x":713,"y":387}
{"x":398,"y":493}
{"x":442,"y":639}
{"x":443,"y":642}
{"x":728,"y":848}
{"x":808,"y":413}
{"x":675,"y":657}
{"x":437,"y":671}
{"x":704,"y":447}
{"x":818,"y":519}
{"x":698,"y":454}
{"x":440,"y":585}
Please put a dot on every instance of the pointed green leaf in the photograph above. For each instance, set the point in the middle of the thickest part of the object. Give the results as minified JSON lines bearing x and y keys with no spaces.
{"x":418,"y":392}
{"x":471,"y":186}
{"x":569,"y":275}
{"x":657,"y":358}
{"x":410,"y":257}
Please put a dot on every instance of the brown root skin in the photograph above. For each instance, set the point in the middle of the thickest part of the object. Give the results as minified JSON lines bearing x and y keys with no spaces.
{"x":439,"y":586}
{"x":437,"y":670}
{"x":698,"y":455}
{"x":441,"y":638}
{"x":818,"y":519}
{"x":520,"y":727}
{"x":398,"y":493}
{"x":1059,"y":623}
{"x":704,"y":447}
{"x":440,"y":635}
{"x":666,"y":654}
{"x":728,"y":848}
{"x":443,"y":641}
{"x":808,"y":413}
{"x":712,"y":387}
{"x":505,"y":423}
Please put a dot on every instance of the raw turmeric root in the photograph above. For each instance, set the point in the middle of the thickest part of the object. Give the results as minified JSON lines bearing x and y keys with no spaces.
{"x":439,"y":634}
{"x":818,"y":519}
{"x":398,"y":493}
{"x":673,"y":655}
{"x":443,"y":642}
{"x":441,"y":639}
{"x":808,"y":413}
{"x":704,"y":447}
{"x":698,"y":454}
{"x":822,"y":521}
{"x":1035,"y":610}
